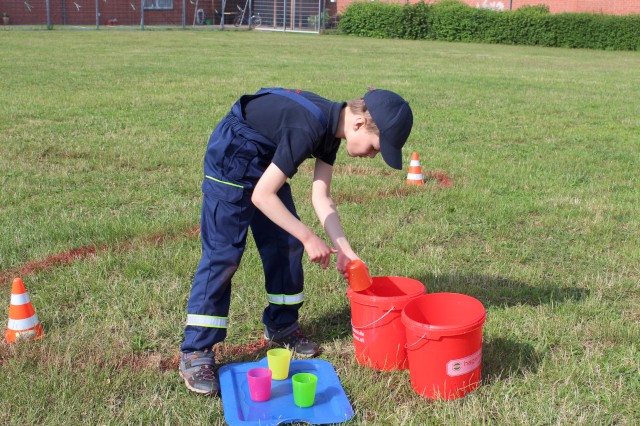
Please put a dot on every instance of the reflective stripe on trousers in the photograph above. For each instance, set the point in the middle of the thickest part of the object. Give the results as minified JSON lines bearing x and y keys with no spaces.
{"x":206,"y":321}
{"x":283,"y":299}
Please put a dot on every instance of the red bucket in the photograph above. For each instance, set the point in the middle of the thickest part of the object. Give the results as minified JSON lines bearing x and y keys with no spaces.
{"x":444,"y":344}
{"x":378,"y":334}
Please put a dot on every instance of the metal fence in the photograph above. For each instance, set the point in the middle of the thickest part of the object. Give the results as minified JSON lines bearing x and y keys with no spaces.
{"x":278,"y":15}
{"x":290,"y":15}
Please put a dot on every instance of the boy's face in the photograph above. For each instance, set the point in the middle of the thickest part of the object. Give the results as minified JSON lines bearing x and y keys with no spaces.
{"x":361,"y":142}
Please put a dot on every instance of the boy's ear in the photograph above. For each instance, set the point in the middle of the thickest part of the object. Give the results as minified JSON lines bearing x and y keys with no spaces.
{"x":359,"y":122}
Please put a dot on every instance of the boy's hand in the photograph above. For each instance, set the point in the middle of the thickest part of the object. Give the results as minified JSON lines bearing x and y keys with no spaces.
{"x":342,"y":260}
{"x":318,"y":251}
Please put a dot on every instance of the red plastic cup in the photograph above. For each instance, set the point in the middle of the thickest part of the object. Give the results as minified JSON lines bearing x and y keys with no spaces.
{"x":358,"y":275}
{"x":259,"y":384}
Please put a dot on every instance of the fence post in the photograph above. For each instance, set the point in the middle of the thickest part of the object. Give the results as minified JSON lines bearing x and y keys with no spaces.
{"x":142,"y":15}
{"x":97,"y":14}
{"x":184,"y":14}
{"x":48,"y":15}
{"x":224,"y":6}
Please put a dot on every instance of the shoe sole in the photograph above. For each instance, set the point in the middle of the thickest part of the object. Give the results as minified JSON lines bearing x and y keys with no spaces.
{"x":198,"y":391}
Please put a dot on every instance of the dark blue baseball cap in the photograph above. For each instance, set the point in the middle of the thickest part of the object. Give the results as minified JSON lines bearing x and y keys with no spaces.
{"x":394,"y":119}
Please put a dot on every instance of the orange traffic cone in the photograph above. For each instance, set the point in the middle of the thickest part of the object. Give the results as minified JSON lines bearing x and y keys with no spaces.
{"x":414,"y":177}
{"x":23,"y":321}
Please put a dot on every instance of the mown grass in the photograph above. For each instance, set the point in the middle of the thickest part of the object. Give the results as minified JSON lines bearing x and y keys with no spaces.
{"x":101,"y":142}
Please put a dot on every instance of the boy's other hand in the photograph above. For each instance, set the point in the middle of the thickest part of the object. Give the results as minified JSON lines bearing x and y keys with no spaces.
{"x":318,"y":251}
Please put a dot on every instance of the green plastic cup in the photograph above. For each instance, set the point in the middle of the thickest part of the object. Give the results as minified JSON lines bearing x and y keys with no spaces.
{"x":304,"y":389}
{"x":279,"y":360}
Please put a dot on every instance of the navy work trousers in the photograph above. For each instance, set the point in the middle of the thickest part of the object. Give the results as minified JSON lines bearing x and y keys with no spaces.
{"x":227,"y":214}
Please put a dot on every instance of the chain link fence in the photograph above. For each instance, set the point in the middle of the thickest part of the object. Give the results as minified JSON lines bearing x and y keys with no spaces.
{"x":274,"y":15}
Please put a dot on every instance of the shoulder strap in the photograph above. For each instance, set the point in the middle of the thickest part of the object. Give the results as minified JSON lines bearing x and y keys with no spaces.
{"x":295,"y":96}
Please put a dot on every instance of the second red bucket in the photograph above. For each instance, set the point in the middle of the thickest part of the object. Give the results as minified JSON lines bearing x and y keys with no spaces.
{"x":444,"y":344}
{"x":378,"y":334}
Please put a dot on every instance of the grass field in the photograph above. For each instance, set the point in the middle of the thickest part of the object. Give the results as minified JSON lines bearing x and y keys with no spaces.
{"x":102,"y":136}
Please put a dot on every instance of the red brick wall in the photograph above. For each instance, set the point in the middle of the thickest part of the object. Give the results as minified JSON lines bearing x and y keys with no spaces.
{"x":85,"y":15}
{"x":612,"y":7}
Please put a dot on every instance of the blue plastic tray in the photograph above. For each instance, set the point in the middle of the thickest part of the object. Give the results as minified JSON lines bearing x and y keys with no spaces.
{"x":331,"y":404}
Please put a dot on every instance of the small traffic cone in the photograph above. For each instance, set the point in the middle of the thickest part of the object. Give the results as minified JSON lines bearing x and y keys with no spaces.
{"x":23,"y":321}
{"x":414,"y":177}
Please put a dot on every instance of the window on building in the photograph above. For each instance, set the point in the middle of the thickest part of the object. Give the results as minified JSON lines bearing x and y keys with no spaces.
{"x":158,"y":4}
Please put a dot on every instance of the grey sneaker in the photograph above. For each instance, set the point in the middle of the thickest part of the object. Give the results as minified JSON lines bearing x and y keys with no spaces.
{"x":197,"y":370}
{"x":294,"y":339}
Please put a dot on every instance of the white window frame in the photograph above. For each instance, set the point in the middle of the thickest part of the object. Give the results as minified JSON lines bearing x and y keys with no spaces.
{"x":158,"y":4}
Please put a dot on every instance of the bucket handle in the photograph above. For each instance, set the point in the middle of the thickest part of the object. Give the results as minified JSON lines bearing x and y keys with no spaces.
{"x":369,"y":325}
{"x":417,"y":341}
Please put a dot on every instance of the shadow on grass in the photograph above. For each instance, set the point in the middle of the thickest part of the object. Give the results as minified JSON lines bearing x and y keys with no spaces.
{"x":502,"y":358}
{"x":333,"y":325}
{"x":500,"y":292}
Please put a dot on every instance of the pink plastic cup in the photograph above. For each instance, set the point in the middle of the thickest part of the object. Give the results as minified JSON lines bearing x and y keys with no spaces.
{"x":259,"y":384}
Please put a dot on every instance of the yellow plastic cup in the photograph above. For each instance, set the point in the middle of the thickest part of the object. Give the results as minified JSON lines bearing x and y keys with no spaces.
{"x":279,"y":360}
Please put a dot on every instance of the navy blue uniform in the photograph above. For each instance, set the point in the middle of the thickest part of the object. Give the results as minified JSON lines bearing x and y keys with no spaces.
{"x":274,"y":125}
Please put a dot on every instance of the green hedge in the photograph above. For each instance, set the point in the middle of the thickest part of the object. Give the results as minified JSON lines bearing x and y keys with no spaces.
{"x":455,"y":21}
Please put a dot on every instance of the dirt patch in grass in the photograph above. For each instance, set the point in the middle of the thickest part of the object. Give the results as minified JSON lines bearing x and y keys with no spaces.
{"x":65,"y":258}
{"x":439,"y":176}
{"x":361,"y":197}
{"x":169,"y":364}
{"x":360,"y":170}
{"x":225,"y":353}
{"x":58,"y":259}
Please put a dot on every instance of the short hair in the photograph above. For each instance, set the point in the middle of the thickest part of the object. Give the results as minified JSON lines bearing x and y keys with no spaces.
{"x":358,"y":107}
